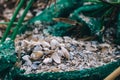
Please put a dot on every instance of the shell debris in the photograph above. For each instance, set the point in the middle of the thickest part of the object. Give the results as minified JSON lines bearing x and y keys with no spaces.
{"x":46,"y":53}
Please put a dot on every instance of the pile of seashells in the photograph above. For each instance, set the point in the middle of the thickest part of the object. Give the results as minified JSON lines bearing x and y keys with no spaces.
{"x":39,"y":52}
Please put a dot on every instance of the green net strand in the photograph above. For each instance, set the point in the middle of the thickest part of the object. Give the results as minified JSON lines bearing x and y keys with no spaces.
{"x":62,"y":8}
{"x":12,"y":20}
{"x":98,"y":13}
{"x":21,"y":19}
{"x":118,"y":29}
{"x":7,"y":57}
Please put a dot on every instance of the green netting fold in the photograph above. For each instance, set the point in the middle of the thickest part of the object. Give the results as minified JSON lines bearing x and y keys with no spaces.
{"x":7,"y":58}
{"x":98,"y":73}
{"x":95,"y":17}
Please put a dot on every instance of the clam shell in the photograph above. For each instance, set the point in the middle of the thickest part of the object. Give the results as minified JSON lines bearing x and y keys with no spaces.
{"x":91,"y":48}
{"x":35,"y":37}
{"x":26,"y":57}
{"x":60,"y":52}
{"x":59,"y":39}
{"x":36,"y":55}
{"x":54,"y":43}
{"x":67,"y":39}
{"x":104,"y":45}
{"x":47,"y":60}
{"x":45,"y":44}
{"x":56,"y":58}
{"x":45,"y":49}
{"x":65,"y":52}
{"x":54,"y":69}
{"x":27,"y":60}
{"x":37,"y":48}
{"x":49,"y":52}
{"x":62,"y":45}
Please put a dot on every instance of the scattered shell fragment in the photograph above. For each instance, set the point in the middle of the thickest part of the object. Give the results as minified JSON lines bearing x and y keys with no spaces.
{"x":37,"y":23}
{"x":91,"y":48}
{"x":28,"y":69}
{"x":54,"y":69}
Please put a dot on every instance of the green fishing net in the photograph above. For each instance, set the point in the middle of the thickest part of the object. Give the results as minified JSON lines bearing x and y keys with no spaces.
{"x":98,"y":73}
{"x":7,"y":58}
{"x":98,"y":15}
{"x":94,"y":15}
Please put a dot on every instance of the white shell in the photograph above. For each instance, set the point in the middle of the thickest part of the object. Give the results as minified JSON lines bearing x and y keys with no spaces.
{"x":37,"y":48}
{"x":65,"y":52}
{"x":47,"y":60}
{"x":45,"y":44}
{"x":104,"y":45}
{"x":62,"y":45}
{"x":27,"y":70}
{"x":59,"y":39}
{"x":26,"y":58}
{"x":49,"y":52}
{"x":60,"y":52}
{"x":54,"y":43}
{"x":56,"y":58}
{"x":91,"y":48}
{"x":45,"y":49}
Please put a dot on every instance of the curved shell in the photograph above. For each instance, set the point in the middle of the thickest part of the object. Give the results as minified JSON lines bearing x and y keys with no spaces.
{"x":36,"y":55}
{"x":65,"y":52}
{"x":56,"y":58}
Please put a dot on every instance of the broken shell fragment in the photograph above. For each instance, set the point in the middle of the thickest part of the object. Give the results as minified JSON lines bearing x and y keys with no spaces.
{"x":27,"y":60}
{"x":49,"y":52}
{"x":26,"y":57}
{"x":104,"y":45}
{"x":54,"y":69}
{"x":44,"y":53}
